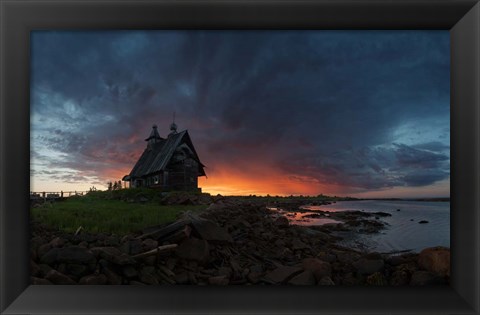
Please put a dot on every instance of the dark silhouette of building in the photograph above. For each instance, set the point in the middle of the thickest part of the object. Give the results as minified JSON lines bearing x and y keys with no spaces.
{"x":167,"y":163}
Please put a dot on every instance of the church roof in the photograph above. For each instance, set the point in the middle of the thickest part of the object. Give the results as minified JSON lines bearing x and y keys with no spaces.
{"x":157,"y":155}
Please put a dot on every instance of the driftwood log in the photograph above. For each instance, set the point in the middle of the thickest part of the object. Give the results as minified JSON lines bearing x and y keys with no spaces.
{"x":155,"y":251}
{"x":165,"y":231}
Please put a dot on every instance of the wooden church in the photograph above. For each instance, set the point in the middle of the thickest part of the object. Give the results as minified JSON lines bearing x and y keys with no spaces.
{"x":168,"y":164}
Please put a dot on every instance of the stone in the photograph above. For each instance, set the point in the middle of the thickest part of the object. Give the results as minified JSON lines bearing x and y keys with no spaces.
{"x":282,"y":274}
{"x":435,"y":260}
{"x":58,"y":278}
{"x":171,"y":263}
{"x":62,"y":268}
{"x":368,"y":266}
{"x":57,"y":242}
{"x":326,"y":281}
{"x":113,"y":255}
{"x":76,"y":269}
{"x":304,"y":278}
{"x":210,"y":231}
{"x":75,"y":255}
{"x":346,"y":257}
{"x":44,"y":269}
{"x":149,"y":244}
{"x":373,"y":256}
{"x":43,"y":249}
{"x":298,"y":245}
{"x":225,"y":271}
{"x":377,"y":279}
{"x":395,"y":260}
{"x":423,"y":222}
{"x":254,"y":277}
{"x":111,"y":240}
{"x":422,"y":277}
{"x":129,"y":271}
{"x":181,"y":278}
{"x":194,"y":249}
{"x":327,"y":257}
{"x":318,"y":267}
{"x":256,"y":268}
{"x":218,"y":280}
{"x":35,"y":269}
{"x":399,"y":277}
{"x":150,"y":260}
{"x":148,"y":277}
{"x":112,"y":276}
{"x":281,"y":222}
{"x":99,"y":279}
{"x":39,"y":281}
{"x":134,"y":246}
{"x":192,"y":278}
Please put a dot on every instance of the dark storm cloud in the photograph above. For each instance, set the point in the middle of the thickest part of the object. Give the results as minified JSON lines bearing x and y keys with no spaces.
{"x":322,"y":105}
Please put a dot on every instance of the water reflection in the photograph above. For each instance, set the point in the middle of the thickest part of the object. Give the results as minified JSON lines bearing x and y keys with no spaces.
{"x":305,"y":218}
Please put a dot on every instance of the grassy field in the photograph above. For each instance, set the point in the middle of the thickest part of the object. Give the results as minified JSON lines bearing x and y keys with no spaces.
{"x":106,"y":215}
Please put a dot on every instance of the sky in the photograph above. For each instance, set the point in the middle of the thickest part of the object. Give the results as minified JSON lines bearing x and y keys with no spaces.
{"x":347,"y":113}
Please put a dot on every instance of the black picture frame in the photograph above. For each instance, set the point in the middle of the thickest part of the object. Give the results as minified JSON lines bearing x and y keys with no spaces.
{"x":19,"y":17}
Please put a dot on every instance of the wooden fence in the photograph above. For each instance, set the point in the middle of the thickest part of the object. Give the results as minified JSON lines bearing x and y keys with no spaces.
{"x":55,"y":194}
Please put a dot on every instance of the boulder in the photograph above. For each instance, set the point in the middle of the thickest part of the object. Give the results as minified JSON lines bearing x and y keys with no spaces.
{"x":218,"y":280}
{"x":49,"y":257}
{"x":147,"y":275}
{"x":58,"y":278}
{"x":225,"y":271}
{"x":72,"y":254}
{"x":36,"y":281}
{"x":422,"y":277}
{"x":129,"y":272}
{"x":346,"y":257}
{"x":113,"y":255}
{"x":149,"y":244}
{"x":318,"y":267}
{"x":112,"y":276}
{"x":34,"y":269}
{"x":210,"y":231}
{"x":281,"y":222}
{"x":57,"y":242}
{"x":326,"y":281}
{"x":75,"y":255}
{"x":436,"y":260}
{"x":94,"y":279}
{"x":282,"y":274}
{"x":76,"y":269}
{"x":299,"y":245}
{"x":181,"y":278}
{"x":44,"y":269}
{"x":399,"y":277}
{"x":377,"y":279}
{"x":132,"y":246}
{"x":395,"y":260}
{"x":327,"y":257}
{"x":368,"y":266}
{"x":194,"y":249}
{"x":304,"y":278}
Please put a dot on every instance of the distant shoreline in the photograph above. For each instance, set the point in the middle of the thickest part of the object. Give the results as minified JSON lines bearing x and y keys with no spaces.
{"x":439,"y":199}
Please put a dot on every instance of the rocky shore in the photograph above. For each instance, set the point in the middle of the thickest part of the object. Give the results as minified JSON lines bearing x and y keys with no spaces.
{"x":234,"y":242}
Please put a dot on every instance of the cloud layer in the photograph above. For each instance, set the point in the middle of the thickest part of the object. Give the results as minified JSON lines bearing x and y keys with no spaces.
{"x":341,"y":112}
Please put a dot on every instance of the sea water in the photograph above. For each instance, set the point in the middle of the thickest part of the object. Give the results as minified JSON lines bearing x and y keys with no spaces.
{"x":403,"y":232}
